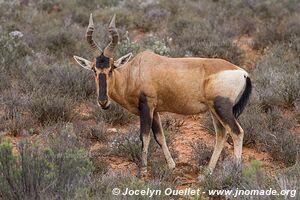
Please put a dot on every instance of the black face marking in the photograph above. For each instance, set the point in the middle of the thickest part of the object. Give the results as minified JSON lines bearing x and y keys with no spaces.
{"x":223,"y":106}
{"x":102,"y":62}
{"x":102,"y":87}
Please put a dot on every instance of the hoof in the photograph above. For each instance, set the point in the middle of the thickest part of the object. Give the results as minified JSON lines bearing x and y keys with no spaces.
{"x":171,"y":165}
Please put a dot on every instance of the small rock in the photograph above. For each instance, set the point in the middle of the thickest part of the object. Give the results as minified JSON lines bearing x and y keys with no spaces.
{"x":16,"y":34}
{"x":112,"y":130}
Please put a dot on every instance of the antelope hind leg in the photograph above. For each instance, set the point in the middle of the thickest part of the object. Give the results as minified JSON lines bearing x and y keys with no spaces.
{"x":161,"y":140}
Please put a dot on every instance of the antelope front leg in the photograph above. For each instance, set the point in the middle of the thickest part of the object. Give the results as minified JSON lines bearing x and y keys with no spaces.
{"x":146,"y":115}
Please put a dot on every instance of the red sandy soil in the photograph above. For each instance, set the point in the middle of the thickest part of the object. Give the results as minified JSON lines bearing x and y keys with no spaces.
{"x":187,"y":169}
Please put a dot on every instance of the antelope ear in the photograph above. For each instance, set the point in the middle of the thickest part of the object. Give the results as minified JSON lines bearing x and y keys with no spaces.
{"x":83,"y":62}
{"x":123,"y":60}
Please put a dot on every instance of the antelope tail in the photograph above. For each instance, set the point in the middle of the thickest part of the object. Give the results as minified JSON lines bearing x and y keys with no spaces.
{"x":241,"y":104}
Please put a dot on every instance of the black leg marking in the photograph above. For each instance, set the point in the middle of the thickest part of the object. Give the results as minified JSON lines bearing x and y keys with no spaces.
{"x":145,"y":124}
{"x":223,"y":107}
{"x":145,"y":117}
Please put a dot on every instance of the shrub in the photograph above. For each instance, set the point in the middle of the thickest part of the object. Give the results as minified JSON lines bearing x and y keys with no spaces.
{"x":44,"y":172}
{"x":249,"y":122}
{"x":158,"y":46}
{"x":272,"y":31}
{"x":70,"y":80}
{"x":50,"y":107}
{"x":227,"y":176}
{"x":46,"y":5}
{"x":255,"y":178}
{"x":100,"y":132}
{"x":13,"y":52}
{"x":92,"y":4}
{"x":127,"y":46}
{"x":4,"y":81}
{"x":279,"y":73}
{"x":60,"y":43}
{"x":15,"y":118}
{"x":202,"y":153}
{"x":198,"y":38}
{"x":287,"y":147}
{"x":129,"y":145}
{"x":114,"y":115}
{"x":270,"y":131}
{"x":159,"y":170}
{"x":61,"y":79}
{"x":152,"y":19}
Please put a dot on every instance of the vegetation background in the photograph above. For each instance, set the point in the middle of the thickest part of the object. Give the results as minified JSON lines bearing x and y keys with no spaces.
{"x":55,"y":143}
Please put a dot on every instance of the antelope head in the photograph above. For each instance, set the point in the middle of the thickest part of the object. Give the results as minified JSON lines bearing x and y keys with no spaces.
{"x":103,"y":64}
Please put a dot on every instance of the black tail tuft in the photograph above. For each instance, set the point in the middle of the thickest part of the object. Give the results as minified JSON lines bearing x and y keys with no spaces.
{"x":241,"y":104}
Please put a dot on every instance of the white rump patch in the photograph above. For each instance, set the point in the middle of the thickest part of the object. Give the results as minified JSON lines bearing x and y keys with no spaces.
{"x":229,"y":83}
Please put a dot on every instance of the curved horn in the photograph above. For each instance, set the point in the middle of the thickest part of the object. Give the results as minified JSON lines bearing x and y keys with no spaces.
{"x":109,"y":50}
{"x":89,"y":36}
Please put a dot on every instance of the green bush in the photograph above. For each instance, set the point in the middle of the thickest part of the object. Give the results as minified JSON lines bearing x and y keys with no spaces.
{"x":44,"y":171}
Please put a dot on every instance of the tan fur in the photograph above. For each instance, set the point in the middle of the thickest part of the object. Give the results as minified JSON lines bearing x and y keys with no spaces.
{"x":178,"y":85}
